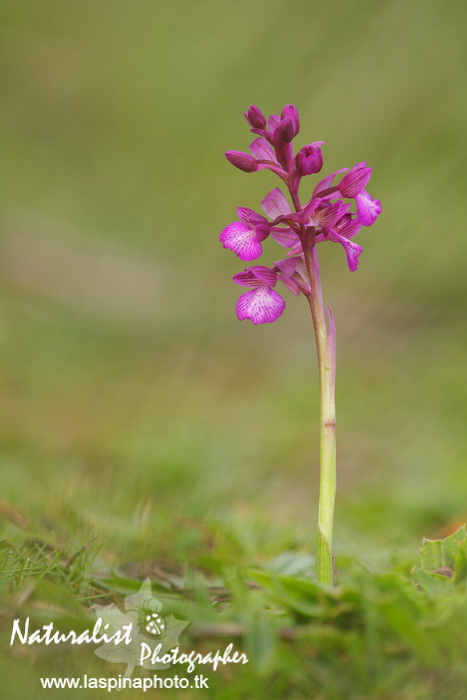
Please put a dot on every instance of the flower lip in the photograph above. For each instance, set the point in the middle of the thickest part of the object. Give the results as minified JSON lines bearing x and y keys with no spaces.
{"x":260,"y":305}
{"x":243,"y":240}
{"x":368,"y":208}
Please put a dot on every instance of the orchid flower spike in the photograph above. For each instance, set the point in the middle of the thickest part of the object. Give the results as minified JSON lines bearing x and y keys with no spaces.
{"x":326,"y":216}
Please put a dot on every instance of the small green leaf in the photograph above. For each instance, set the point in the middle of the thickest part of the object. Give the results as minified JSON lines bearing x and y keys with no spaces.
{"x":439,"y":556}
{"x":324,"y":571}
{"x":460,"y":564}
{"x":291,"y":564}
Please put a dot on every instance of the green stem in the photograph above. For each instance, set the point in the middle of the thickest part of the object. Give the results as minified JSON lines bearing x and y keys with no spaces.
{"x":326,"y":348}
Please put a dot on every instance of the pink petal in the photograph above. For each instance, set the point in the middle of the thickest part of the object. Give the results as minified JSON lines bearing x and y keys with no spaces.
{"x":368,"y":209}
{"x":297,"y":249}
{"x":262,"y":132}
{"x":250,"y":217}
{"x":300,"y":275}
{"x":246,"y":279}
{"x":273,"y":122}
{"x":261,"y":305}
{"x":301,"y":267}
{"x":261,"y":150}
{"x":352,"y":250}
{"x":275,"y":204}
{"x":256,"y":275}
{"x":327,"y":182}
{"x":291,"y":285}
{"x":348,"y":226}
{"x":289,"y":269}
{"x":327,"y":213}
{"x":242,"y":240}
{"x":287,"y":266}
{"x":285,"y":237}
{"x":265,"y":274}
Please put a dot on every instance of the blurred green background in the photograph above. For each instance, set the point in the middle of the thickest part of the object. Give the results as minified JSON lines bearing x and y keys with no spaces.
{"x":126,"y":376}
{"x":134,"y":406}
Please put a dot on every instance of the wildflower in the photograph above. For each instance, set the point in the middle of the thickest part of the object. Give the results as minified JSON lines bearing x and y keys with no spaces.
{"x":327,"y":216}
{"x":262,"y":304}
{"x":368,"y":209}
{"x":244,"y":237}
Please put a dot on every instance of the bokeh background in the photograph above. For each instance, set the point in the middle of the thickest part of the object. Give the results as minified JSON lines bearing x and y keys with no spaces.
{"x":135,"y":408}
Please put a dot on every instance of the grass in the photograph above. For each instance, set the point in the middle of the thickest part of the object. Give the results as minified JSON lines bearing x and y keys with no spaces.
{"x":144,"y":432}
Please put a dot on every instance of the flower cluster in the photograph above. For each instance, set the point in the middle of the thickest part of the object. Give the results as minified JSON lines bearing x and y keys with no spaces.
{"x":326,"y":216}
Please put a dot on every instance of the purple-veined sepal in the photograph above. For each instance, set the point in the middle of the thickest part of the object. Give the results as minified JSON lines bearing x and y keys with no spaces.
{"x":326,"y":183}
{"x":355,"y":180}
{"x":275,"y":204}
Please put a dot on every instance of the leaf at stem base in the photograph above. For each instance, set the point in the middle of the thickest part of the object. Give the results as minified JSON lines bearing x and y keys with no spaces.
{"x":324,"y":568}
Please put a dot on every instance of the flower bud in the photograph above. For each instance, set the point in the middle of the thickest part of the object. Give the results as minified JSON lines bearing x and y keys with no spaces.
{"x":291,"y":112}
{"x":255,"y":117}
{"x":355,"y":180}
{"x":242,"y":161}
{"x":284,"y":131}
{"x":309,"y":160}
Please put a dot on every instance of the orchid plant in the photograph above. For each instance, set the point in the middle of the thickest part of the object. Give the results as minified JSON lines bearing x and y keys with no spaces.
{"x":297,"y":227}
